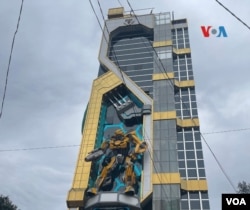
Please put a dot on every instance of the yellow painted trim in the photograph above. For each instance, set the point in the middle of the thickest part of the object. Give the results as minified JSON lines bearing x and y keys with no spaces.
{"x":100,"y":86}
{"x":188,"y":122}
{"x":162,"y":43}
{"x":150,"y":150}
{"x":194,"y":185}
{"x":145,"y":197}
{"x":115,"y":12}
{"x":75,"y":198}
{"x":166,"y":178}
{"x":162,"y":76}
{"x":181,"y":51}
{"x":164,"y":115}
{"x":186,"y":83}
{"x":174,"y":178}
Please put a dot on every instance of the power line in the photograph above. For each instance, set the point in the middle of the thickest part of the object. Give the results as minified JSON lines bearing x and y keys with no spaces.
{"x":233,"y":14}
{"x":105,"y":26}
{"x":226,"y":131}
{"x":63,"y":146}
{"x":100,"y":25}
{"x":120,"y":3}
{"x":160,"y":66}
{"x":219,"y":164}
{"x":37,"y":148}
{"x":11,"y":51}
{"x":227,"y":177}
{"x":118,"y":65}
{"x":171,"y":83}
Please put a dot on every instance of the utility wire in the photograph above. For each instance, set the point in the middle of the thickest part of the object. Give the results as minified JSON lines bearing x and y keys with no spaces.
{"x":11,"y":51}
{"x":227,"y":177}
{"x":63,"y":146}
{"x":169,"y":80}
{"x":226,"y":131}
{"x":37,"y":148}
{"x":120,"y":3}
{"x":233,"y":14}
{"x":161,"y":67}
{"x":118,"y":65}
{"x":219,"y":164}
{"x":181,"y":100}
{"x":106,"y":27}
{"x":100,"y":25}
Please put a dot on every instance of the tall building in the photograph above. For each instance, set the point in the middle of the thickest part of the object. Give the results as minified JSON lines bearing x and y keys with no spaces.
{"x":145,"y":89}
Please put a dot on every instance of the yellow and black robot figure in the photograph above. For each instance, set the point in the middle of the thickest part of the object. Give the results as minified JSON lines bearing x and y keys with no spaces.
{"x":121,"y":152}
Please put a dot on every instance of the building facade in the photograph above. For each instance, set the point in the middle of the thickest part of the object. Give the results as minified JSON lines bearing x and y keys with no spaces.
{"x":145,"y":86}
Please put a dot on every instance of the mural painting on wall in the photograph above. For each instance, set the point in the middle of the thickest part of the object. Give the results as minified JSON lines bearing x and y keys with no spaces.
{"x":117,"y":159}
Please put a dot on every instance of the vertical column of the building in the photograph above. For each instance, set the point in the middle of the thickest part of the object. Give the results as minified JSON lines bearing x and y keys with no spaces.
{"x":194,"y":194}
{"x":166,"y":178}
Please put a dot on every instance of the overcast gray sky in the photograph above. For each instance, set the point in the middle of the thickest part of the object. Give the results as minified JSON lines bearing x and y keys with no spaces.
{"x":53,"y":65}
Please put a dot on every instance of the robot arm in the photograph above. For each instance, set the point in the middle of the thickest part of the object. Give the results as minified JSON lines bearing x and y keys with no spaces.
{"x":97,"y":153}
{"x":94,"y":155}
{"x":140,"y":147}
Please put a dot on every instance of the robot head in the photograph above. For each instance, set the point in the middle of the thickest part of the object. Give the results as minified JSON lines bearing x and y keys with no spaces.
{"x":119,"y":135}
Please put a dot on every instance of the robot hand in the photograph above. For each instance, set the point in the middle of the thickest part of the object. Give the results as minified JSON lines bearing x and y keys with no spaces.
{"x":143,"y":145}
{"x":94,"y":155}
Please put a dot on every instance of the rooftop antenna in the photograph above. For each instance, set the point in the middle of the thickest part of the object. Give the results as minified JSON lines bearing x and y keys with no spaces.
{"x":151,"y":10}
{"x":172,"y":15}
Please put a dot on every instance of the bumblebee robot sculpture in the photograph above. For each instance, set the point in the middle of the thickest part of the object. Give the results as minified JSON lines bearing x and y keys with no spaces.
{"x":120,"y":151}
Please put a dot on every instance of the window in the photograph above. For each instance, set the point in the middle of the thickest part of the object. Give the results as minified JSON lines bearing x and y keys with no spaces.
{"x":204,"y":195}
{"x":191,"y":164}
{"x":180,"y":146}
{"x":195,"y":204}
{"x":205,"y":204}
{"x":180,"y":46}
{"x":194,"y":112}
{"x":182,"y":164}
{"x":184,"y":205}
{"x":184,"y":194}
{"x":194,"y":195}
{"x":178,"y":106}
{"x":202,"y":173}
{"x":192,"y":173}
{"x":188,"y":136}
{"x":200,"y":163}
{"x":182,"y":172}
{"x":198,"y":145}
{"x":162,"y":18}
{"x":164,"y":54}
{"x":199,"y":155}
{"x":180,"y":155}
{"x":190,"y":154}
{"x":183,"y":67}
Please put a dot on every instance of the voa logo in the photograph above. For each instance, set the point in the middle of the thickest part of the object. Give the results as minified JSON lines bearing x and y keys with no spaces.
{"x":236,"y":201}
{"x":209,"y":30}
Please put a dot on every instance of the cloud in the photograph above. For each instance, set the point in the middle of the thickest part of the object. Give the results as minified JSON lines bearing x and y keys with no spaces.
{"x":54,"y":62}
